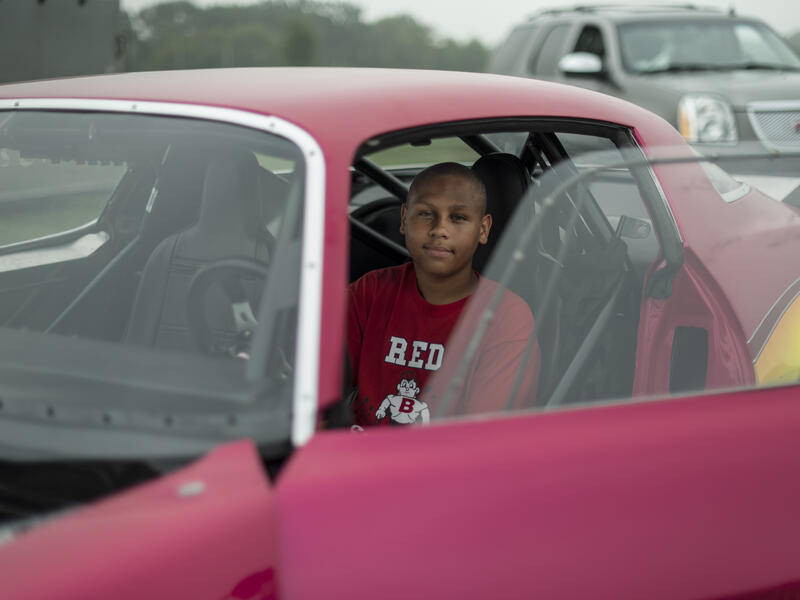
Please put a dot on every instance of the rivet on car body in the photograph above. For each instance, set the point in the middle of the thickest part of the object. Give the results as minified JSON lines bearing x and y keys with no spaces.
{"x":191,"y":488}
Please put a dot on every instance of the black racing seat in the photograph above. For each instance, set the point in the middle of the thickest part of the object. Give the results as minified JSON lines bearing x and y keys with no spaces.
{"x":506,"y":180}
{"x":229,"y":225}
{"x":368,"y":253}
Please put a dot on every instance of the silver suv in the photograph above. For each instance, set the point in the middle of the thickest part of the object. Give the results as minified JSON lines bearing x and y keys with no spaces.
{"x":720,"y":79}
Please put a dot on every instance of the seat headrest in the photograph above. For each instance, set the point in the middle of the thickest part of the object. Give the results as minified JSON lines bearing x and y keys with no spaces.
{"x":506,"y":180}
{"x":228,"y":224}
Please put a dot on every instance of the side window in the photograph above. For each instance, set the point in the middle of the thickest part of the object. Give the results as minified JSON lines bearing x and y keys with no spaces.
{"x":576,"y":251}
{"x":616,"y":193}
{"x":591,"y":40}
{"x":546,"y":60}
{"x":42,"y":197}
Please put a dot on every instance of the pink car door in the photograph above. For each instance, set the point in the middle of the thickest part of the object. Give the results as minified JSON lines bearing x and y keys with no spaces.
{"x":680,"y":498}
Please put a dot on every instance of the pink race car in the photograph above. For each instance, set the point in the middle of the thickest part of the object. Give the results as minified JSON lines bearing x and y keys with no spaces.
{"x":174,"y":390}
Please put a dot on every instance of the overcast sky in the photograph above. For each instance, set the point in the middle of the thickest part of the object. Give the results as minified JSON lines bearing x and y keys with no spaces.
{"x":490,"y":21}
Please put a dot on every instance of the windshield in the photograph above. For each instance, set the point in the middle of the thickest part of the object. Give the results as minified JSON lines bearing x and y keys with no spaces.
{"x":139,"y":257}
{"x":652,"y":47}
{"x":645,"y":278}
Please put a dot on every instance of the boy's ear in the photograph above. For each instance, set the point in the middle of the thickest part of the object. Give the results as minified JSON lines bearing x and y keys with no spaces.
{"x":486,"y":226}
{"x":403,"y":218}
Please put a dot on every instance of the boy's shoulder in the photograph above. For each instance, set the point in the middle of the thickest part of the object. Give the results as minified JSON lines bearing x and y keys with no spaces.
{"x":509,"y":307}
{"x":386,"y":280}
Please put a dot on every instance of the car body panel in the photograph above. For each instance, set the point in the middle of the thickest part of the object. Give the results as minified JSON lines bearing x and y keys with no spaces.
{"x":663,"y":499}
{"x":741,"y":87}
{"x":773,"y":228}
{"x":384,"y":100}
{"x":164,"y":539}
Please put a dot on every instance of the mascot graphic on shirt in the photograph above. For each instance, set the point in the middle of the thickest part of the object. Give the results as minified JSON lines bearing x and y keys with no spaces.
{"x":403,"y":407}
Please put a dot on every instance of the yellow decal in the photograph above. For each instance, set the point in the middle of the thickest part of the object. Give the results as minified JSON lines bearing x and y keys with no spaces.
{"x":779,"y":361}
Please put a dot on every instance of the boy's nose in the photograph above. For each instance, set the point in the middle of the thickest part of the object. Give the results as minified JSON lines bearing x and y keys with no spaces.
{"x":439,"y":228}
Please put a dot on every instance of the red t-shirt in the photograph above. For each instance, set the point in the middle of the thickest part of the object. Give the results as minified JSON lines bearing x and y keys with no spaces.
{"x":397,"y":340}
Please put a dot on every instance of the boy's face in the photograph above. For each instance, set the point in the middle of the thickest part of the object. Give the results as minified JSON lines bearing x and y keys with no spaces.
{"x":444,"y":222}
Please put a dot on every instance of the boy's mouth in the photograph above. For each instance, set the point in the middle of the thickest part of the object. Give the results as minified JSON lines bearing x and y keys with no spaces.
{"x":437,"y":250}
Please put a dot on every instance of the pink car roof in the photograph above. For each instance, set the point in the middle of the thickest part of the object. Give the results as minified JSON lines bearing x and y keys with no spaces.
{"x":342,"y":107}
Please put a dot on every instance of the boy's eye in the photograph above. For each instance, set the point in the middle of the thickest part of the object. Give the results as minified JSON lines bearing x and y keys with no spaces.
{"x":424,"y":213}
{"x":459,"y":217}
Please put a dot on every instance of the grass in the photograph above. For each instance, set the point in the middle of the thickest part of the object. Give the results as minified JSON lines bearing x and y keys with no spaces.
{"x":26,"y":221}
{"x":439,"y":150}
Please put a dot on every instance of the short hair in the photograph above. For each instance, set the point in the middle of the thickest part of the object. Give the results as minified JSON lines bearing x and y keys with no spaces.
{"x":448,"y":169}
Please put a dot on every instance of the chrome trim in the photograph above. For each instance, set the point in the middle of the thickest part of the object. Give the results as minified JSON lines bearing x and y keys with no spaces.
{"x":768,"y":106}
{"x":81,"y":248}
{"x":306,"y":372}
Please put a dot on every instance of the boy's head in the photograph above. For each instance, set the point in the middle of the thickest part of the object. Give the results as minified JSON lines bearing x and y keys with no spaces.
{"x":444,"y":219}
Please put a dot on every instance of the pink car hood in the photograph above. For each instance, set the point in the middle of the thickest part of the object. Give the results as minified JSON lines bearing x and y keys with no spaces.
{"x":201,"y":532}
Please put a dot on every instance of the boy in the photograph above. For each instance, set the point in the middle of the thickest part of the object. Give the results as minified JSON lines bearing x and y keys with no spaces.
{"x":400,"y":318}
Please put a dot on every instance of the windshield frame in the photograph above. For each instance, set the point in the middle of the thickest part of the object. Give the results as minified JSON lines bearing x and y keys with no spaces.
{"x":305,"y":386}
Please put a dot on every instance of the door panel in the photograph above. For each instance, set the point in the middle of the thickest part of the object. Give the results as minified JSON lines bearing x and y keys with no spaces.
{"x":679,"y":498}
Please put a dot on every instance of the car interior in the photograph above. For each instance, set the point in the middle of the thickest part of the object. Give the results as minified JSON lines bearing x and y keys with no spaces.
{"x":184,"y":238}
{"x":579,"y":276}
{"x":189,"y":234}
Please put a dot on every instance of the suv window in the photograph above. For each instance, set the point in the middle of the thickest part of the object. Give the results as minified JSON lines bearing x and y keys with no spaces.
{"x":591,"y":40}
{"x":661,"y":46}
{"x":545,"y":62}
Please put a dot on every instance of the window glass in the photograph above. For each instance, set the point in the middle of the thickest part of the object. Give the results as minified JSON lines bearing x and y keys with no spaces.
{"x":41,"y":197}
{"x":580,"y":265}
{"x":625,"y":302}
{"x":426,"y":153}
{"x":759,"y":44}
{"x":157,"y":250}
{"x":599,"y":239}
{"x":591,"y":40}
{"x":702,"y":44}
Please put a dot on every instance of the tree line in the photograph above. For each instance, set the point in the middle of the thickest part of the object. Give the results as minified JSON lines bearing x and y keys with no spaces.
{"x":180,"y":35}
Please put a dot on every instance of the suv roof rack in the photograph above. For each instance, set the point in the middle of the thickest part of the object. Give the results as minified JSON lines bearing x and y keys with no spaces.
{"x":594,"y":8}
